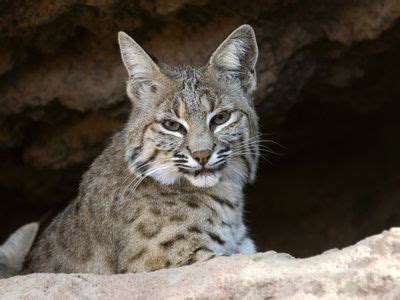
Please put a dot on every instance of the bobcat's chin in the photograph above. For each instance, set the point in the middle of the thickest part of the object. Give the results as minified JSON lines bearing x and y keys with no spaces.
{"x":204,"y":180}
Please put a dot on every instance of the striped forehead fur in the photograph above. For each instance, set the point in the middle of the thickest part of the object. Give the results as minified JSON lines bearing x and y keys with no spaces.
{"x":193,"y":95}
{"x":190,"y":92}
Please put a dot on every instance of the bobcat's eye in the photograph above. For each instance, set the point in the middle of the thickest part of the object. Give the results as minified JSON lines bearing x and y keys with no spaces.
{"x":172,"y":126}
{"x":221,"y":118}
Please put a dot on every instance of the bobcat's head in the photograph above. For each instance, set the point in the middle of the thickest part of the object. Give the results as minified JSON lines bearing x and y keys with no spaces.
{"x":195,"y":124}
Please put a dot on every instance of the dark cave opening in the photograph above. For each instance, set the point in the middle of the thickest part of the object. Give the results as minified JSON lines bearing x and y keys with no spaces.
{"x":328,"y":190}
{"x":337,"y":181}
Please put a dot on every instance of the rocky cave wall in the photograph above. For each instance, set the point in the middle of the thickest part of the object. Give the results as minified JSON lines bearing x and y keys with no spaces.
{"x":328,"y":93}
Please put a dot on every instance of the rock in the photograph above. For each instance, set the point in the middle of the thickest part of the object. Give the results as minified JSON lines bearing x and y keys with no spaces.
{"x":368,"y":269}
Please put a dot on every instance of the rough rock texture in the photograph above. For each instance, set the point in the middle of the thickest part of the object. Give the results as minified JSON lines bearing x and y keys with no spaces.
{"x":328,"y":91}
{"x":369,"y":268}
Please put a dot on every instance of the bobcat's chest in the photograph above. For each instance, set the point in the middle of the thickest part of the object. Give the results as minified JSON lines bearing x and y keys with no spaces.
{"x":179,"y":228}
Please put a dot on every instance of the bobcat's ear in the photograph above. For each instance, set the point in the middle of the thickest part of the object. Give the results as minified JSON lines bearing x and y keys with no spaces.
{"x":144,"y":74}
{"x":235,"y":59}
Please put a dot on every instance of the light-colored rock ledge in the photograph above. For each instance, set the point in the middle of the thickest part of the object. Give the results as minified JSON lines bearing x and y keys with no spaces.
{"x":369,"y":268}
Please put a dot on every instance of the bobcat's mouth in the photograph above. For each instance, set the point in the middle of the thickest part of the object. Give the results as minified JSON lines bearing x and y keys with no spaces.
{"x":202,"y":176}
{"x":203,"y":171}
{"x":206,"y":171}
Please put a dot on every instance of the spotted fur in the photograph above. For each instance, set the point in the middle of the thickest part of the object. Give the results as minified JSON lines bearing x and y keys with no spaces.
{"x":168,"y":191}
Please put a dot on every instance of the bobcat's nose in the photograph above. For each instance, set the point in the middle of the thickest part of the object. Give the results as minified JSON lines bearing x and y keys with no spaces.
{"x":202,"y":156}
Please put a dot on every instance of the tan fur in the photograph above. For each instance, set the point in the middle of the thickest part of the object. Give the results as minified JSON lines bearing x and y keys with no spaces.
{"x":145,"y":203}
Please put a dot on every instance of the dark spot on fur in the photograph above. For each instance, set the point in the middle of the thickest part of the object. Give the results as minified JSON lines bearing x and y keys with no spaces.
{"x":211,"y":221}
{"x":192,"y":259}
{"x":148,"y":230}
{"x":170,"y":203}
{"x":155,"y":211}
{"x":216,"y":238}
{"x":169,"y":243}
{"x":135,"y":153}
{"x":202,"y":248}
{"x":118,"y":246}
{"x":223,"y":202}
{"x":169,"y":193}
{"x":192,"y":204}
{"x":178,"y":218}
{"x":194,"y":229}
{"x":137,"y":255}
{"x":130,"y":220}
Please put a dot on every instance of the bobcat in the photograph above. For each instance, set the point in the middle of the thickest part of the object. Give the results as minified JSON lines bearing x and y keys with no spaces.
{"x":168,"y":190}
